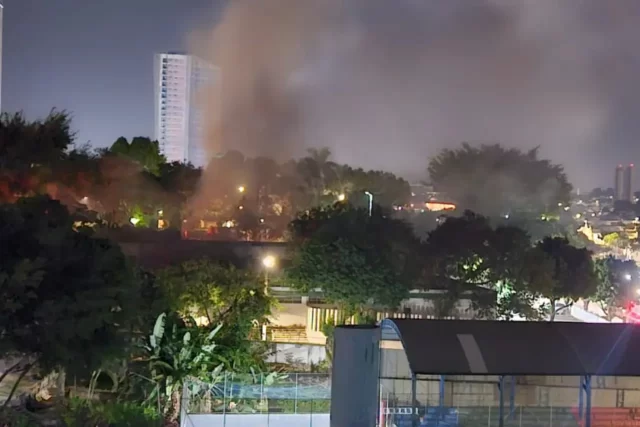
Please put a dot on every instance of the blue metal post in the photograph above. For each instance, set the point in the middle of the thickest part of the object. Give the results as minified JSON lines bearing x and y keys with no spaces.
{"x":512,"y":397}
{"x":501,"y":407}
{"x":581,"y":398}
{"x":587,"y":391}
{"x":414,"y":402}
{"x":441,"y":401}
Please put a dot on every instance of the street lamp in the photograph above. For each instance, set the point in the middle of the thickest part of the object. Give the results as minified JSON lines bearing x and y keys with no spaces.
{"x":268,"y":262}
{"x":241,"y":189}
{"x":627,"y":277}
{"x":370,"y":201}
{"x":342,"y":197}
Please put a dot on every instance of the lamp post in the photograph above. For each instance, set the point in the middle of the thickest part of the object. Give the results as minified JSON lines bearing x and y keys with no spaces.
{"x":268,"y":262}
{"x":370,"y":201}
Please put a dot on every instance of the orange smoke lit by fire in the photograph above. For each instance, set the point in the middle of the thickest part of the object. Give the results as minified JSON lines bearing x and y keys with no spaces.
{"x":440,"y":206}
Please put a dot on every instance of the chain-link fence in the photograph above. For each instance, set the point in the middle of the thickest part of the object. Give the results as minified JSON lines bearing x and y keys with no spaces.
{"x":280,"y":398}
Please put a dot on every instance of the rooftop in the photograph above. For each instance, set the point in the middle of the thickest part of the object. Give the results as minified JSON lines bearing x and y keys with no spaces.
{"x":475,"y":347}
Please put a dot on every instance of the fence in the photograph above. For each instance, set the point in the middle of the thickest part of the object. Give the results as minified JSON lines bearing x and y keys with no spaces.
{"x":277,"y":400}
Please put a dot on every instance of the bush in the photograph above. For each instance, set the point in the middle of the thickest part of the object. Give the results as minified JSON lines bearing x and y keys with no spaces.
{"x":12,"y":418}
{"x":84,"y":413}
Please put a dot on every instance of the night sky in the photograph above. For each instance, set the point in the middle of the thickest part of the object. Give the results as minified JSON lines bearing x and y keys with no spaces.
{"x":385,"y":84}
{"x":93,"y":58}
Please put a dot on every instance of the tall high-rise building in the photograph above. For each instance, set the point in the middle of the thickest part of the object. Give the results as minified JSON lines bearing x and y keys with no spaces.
{"x":1,"y":24}
{"x":619,"y":183}
{"x":179,"y":125}
{"x":628,"y":184}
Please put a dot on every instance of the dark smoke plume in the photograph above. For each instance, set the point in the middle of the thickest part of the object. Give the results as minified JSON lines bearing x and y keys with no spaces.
{"x":386,"y":84}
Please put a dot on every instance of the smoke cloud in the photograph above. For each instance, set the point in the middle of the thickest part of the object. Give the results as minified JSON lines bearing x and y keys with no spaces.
{"x":387,"y":84}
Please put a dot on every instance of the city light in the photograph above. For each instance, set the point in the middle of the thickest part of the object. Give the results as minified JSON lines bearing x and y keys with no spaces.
{"x":342,"y":197}
{"x":134,"y":221}
{"x":269,"y":261}
{"x":627,"y":277}
{"x":241,"y":189}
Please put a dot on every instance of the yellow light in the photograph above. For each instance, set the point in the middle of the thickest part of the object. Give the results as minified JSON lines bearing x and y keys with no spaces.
{"x":342,"y":197}
{"x":134,"y":221}
{"x":241,"y":189}
{"x":269,"y":261}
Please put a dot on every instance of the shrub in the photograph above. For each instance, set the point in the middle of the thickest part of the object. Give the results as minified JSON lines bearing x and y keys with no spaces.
{"x":83,"y":413}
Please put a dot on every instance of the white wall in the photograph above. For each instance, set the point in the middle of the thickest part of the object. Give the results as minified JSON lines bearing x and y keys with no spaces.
{"x":256,"y":420}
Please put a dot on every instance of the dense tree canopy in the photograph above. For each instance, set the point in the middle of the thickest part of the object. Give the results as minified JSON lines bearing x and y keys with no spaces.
{"x":494,"y":181}
{"x":617,"y":284}
{"x":141,"y":150}
{"x":467,"y":255}
{"x":219,"y":293}
{"x":65,"y":297}
{"x":356,"y":259}
{"x":567,"y":273}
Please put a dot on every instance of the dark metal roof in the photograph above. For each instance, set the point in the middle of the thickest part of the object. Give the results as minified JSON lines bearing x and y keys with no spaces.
{"x":471,"y":347}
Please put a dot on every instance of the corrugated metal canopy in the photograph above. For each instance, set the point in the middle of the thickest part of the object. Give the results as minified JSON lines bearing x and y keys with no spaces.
{"x":468,"y":347}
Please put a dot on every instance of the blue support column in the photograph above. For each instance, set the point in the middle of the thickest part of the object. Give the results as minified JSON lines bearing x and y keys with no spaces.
{"x":501,"y":405}
{"x":581,"y":398}
{"x":414,"y":402}
{"x":587,"y":392}
{"x":441,"y":395}
{"x":512,"y":397}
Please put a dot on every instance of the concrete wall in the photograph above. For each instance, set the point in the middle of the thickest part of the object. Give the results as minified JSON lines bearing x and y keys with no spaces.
{"x":256,"y":420}
{"x":290,"y":315}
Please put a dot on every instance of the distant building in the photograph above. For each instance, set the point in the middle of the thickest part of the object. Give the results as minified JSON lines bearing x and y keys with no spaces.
{"x":619,"y":183}
{"x":627,"y":192}
{"x":179,"y":125}
{"x":1,"y":23}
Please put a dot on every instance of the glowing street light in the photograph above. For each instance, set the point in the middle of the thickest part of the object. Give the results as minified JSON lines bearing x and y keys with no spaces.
{"x":627,"y":277}
{"x":134,"y":221}
{"x":268,"y":262}
{"x":370,"y":201}
{"x":342,"y":197}
{"x":241,"y":189}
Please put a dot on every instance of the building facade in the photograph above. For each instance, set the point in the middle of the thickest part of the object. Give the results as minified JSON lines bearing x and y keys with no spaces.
{"x":628,"y":183}
{"x":1,"y":30}
{"x":619,"y":183}
{"x":179,"y":121}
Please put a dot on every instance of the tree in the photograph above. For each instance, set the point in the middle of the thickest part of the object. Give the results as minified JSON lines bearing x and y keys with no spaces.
{"x":356,"y":260}
{"x":220,"y":293}
{"x":177,"y":350}
{"x":143,"y":151}
{"x":29,"y":150}
{"x":494,"y":181}
{"x":467,"y":256}
{"x":66,"y":297}
{"x":615,"y":284}
{"x":568,"y":273}
{"x":611,"y":239}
